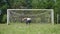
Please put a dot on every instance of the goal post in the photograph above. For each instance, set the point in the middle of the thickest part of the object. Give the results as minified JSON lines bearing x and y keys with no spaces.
{"x":7,"y":17}
{"x":52,"y":16}
{"x":37,"y":15}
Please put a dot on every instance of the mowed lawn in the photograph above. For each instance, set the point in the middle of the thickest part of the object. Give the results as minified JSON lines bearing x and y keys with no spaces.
{"x":22,"y":28}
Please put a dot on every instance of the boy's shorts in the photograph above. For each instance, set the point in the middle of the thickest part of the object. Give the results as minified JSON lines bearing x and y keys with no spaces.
{"x":29,"y":21}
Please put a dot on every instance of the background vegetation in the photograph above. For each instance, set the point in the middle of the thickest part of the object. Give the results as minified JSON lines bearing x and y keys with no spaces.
{"x":26,"y":4}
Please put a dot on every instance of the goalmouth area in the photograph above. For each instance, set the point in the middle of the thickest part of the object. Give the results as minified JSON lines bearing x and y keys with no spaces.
{"x":37,"y":15}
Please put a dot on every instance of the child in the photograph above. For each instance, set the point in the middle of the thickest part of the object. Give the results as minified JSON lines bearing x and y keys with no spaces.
{"x":27,"y":20}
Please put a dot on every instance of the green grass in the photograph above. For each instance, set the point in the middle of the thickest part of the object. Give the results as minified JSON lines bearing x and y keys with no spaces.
{"x":22,"y":28}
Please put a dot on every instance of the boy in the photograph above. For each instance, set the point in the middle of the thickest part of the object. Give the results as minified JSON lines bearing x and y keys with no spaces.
{"x":27,"y":20}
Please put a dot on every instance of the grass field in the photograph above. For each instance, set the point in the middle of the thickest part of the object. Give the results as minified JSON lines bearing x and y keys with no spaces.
{"x":22,"y":28}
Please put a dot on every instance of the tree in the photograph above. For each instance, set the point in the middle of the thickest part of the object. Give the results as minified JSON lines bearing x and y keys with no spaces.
{"x":57,"y":9}
{"x":3,"y":7}
{"x":43,"y":4}
{"x":16,"y":4}
{"x":33,"y":4}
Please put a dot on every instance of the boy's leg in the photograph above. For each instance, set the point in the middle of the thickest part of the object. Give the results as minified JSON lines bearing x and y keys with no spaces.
{"x":26,"y":22}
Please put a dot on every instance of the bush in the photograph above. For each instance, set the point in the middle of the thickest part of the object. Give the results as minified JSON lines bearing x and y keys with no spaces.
{"x":4,"y":20}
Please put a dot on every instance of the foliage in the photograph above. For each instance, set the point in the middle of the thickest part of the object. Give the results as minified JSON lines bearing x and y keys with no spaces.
{"x":14,"y":4}
{"x":4,"y":18}
{"x":34,"y":4}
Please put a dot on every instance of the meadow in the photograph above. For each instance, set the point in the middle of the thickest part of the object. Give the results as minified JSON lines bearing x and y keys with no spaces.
{"x":33,"y":28}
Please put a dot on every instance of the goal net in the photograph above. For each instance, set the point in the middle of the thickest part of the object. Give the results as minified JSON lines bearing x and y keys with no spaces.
{"x":37,"y":15}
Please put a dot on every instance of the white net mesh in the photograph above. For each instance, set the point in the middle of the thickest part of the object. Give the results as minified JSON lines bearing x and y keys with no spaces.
{"x":37,"y":15}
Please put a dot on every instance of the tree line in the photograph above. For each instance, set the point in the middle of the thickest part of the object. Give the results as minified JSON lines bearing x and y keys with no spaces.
{"x":28,"y":4}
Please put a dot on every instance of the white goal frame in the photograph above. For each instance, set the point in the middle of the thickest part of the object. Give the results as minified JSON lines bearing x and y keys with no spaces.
{"x":52,"y":14}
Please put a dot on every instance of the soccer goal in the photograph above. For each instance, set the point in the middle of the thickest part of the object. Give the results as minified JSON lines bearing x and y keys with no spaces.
{"x":37,"y":15}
